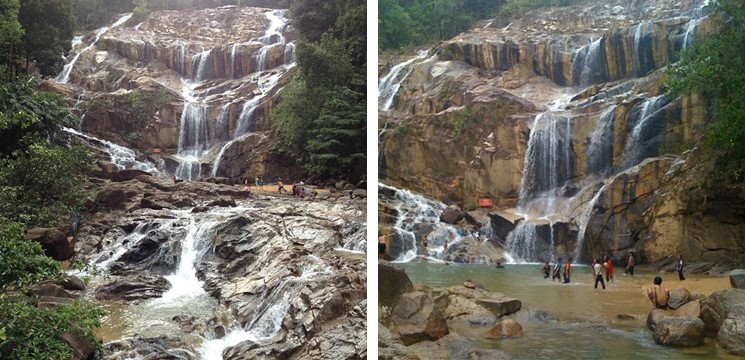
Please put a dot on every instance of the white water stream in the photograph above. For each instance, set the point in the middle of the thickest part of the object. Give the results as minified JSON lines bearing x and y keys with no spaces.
{"x":389,"y":84}
{"x":64,"y":76}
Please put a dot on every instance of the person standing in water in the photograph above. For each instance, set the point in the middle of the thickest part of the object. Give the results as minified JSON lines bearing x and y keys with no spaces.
{"x":557,"y":271}
{"x":567,"y":271}
{"x":658,"y":295}
{"x":630,"y":265}
{"x":546,"y":270}
{"x":679,"y":268}
{"x":597,"y":270}
{"x":609,"y":271}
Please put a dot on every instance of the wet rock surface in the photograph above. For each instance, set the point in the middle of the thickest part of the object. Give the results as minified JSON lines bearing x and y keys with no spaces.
{"x":280,"y":267}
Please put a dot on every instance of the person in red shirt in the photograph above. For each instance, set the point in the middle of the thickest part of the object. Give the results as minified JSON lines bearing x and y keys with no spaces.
{"x":609,"y":271}
{"x":567,"y":271}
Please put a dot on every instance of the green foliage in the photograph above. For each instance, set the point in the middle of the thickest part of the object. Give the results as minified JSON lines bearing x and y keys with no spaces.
{"x":321,"y":119}
{"x":93,"y":14}
{"x":470,"y":205}
{"x":48,"y":26}
{"x":26,"y":111}
{"x":10,"y":29}
{"x":519,"y":7}
{"x":145,"y":103}
{"x":401,"y":130}
{"x":461,"y":120}
{"x":34,"y":334}
{"x":402,"y":23}
{"x":39,"y":181}
{"x":334,"y":145}
{"x":42,"y":183}
{"x":714,"y":67}
{"x":23,"y":262}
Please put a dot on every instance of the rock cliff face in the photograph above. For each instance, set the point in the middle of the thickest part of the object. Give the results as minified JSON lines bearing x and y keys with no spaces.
{"x":191,"y":83}
{"x":560,"y":118}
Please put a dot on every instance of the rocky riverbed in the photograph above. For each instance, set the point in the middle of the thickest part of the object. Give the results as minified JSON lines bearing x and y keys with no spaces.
{"x":199,"y":270}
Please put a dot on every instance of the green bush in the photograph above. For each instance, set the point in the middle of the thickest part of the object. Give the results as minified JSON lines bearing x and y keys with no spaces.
{"x":23,"y":262}
{"x":35,"y":334}
{"x":42,"y":184}
{"x":714,"y":67}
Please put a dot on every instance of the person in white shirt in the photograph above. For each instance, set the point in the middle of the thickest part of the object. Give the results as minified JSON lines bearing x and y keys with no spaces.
{"x":597,"y":268}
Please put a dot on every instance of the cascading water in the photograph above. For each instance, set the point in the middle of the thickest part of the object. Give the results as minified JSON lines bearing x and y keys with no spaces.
{"x":586,"y":63}
{"x":64,"y":76}
{"x":600,"y":148}
{"x":413,"y":211}
{"x":548,"y":164}
{"x":266,"y":320}
{"x":266,"y":81}
{"x":643,"y":131}
{"x":389,"y":85}
{"x":193,"y":141}
{"x":121,"y":157}
{"x":697,"y":14}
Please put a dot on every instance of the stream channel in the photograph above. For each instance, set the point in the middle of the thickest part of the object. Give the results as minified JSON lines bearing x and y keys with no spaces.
{"x":588,"y":326}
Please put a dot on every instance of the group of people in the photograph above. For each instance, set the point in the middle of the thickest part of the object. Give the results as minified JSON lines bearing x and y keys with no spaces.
{"x":600,"y":267}
{"x":557,"y":271}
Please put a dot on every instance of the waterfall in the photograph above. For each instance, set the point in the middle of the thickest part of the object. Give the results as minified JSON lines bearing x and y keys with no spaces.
{"x":271,"y":37}
{"x":266,"y":320}
{"x":232,"y":60}
{"x":587,"y":62}
{"x":222,"y":126}
{"x":636,"y":53}
{"x":220,"y":154}
{"x":289,"y":53}
{"x":697,"y":14}
{"x":184,"y":282}
{"x":413,"y":210}
{"x":389,"y":85}
{"x":266,"y":82}
{"x":521,"y":242}
{"x":193,"y":141}
{"x":584,"y":220}
{"x":549,"y":159}
{"x":199,"y":64}
{"x":103,"y":262}
{"x":64,"y":76}
{"x":634,"y":151}
{"x":121,"y":157}
{"x":600,"y":144}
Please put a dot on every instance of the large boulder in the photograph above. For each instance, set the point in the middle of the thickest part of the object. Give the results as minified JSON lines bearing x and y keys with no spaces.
{"x":690,"y":309}
{"x":133,"y":288}
{"x":49,"y":289}
{"x":731,"y":335}
{"x":505,"y":329}
{"x":392,"y":282}
{"x":464,"y":313}
{"x":654,"y":318}
{"x":452,"y":214}
{"x":678,"y":298}
{"x":500,"y":305}
{"x":679,"y":331}
{"x":416,"y":318}
{"x":737,"y":278}
{"x":53,"y":241}
{"x":715,"y":308}
{"x":82,"y":346}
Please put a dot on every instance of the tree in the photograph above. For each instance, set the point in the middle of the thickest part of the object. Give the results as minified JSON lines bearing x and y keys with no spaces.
{"x":48,"y":26}
{"x":11,"y":31}
{"x":336,"y":145}
{"x":714,"y":67}
{"x":321,"y":119}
